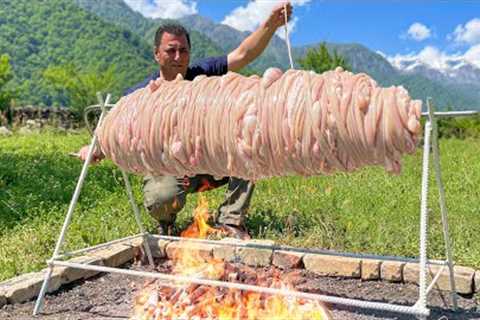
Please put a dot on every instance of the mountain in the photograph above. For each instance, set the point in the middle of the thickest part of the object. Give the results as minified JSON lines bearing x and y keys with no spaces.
{"x":39,"y":34}
{"x":419,"y":85}
{"x":120,"y":14}
{"x":453,"y":70}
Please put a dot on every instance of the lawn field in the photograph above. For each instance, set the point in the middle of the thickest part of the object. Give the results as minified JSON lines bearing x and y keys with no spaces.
{"x":368,"y":211}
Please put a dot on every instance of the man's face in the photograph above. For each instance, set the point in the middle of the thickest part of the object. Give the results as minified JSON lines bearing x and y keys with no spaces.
{"x":173,"y":55}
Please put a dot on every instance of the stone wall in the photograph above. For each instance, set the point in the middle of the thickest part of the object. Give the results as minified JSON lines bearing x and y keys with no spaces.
{"x":54,"y":116}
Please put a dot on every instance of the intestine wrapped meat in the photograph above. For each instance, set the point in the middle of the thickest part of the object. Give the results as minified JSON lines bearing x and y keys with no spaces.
{"x":293,"y":123}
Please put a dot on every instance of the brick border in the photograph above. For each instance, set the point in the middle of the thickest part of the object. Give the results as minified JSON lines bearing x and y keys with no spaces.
{"x":27,"y":286}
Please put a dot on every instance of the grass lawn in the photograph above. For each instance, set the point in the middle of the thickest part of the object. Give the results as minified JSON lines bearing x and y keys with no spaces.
{"x":368,"y":211}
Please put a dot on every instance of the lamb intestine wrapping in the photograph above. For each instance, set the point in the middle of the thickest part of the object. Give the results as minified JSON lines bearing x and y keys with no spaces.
{"x":293,"y":123}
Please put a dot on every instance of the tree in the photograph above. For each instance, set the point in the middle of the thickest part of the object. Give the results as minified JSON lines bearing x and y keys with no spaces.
{"x":6,"y":95}
{"x":320,"y":60}
{"x":77,"y":87}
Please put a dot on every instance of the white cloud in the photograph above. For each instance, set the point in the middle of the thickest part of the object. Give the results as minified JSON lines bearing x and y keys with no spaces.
{"x":473,"y":55}
{"x":419,"y":32}
{"x":469,"y":33}
{"x":381,"y":53}
{"x":430,"y":56}
{"x":435,"y":58}
{"x":172,"y":9}
{"x":249,"y":17}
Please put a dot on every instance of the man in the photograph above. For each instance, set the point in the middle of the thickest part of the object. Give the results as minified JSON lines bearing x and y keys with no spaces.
{"x":165,"y":196}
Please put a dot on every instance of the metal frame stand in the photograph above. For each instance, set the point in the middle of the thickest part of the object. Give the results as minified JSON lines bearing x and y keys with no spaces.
{"x":419,"y":309}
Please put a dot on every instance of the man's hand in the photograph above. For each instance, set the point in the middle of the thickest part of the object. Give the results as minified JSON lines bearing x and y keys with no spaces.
{"x":254,"y":44}
{"x":96,"y":157}
{"x":277,"y":17}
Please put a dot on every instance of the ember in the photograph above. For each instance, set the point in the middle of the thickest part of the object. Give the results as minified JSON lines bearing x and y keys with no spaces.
{"x":160,"y":300}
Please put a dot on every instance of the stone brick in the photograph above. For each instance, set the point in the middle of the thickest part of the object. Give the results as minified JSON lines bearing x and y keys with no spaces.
{"x":371,"y":269}
{"x":392,"y":271}
{"x":477,"y":281}
{"x":254,"y":256}
{"x":226,"y":252}
{"x":27,"y":286}
{"x":70,"y":274}
{"x":287,"y":259}
{"x":114,"y":256}
{"x":158,"y":247}
{"x":463,"y":277}
{"x":335,"y":266}
{"x":198,"y":250}
{"x":136,"y":242}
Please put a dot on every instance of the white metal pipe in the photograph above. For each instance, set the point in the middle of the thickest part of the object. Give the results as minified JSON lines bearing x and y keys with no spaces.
{"x":424,"y":217}
{"x":136,"y":213}
{"x":96,"y":247}
{"x":435,"y":279}
{"x":447,"y":114}
{"x":71,"y":207}
{"x":414,"y":310}
{"x":443,"y":207}
{"x":246,"y":244}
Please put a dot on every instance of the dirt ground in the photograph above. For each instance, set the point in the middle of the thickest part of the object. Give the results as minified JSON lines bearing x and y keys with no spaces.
{"x":109,"y":296}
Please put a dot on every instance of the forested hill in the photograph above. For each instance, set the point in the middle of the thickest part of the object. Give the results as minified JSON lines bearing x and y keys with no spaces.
{"x":120,"y":14}
{"x":42,"y":33}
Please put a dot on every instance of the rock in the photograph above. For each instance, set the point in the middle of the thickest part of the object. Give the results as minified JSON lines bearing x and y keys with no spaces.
{"x":70,"y":274}
{"x":371,"y":269}
{"x":287,"y":259}
{"x":254,"y":256}
{"x":31,"y":124}
{"x":392,"y":271}
{"x":226,"y":252}
{"x":158,"y":247}
{"x":477,"y":281}
{"x":115,"y":255}
{"x":27,"y":286}
{"x":25,"y":131}
{"x":463,"y":277}
{"x":335,"y":266}
{"x":3,"y":300}
{"x":197,"y":250}
{"x":4,"y":132}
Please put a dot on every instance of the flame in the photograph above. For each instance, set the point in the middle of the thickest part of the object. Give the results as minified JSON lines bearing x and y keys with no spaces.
{"x":191,"y":301}
{"x":200,"y":228}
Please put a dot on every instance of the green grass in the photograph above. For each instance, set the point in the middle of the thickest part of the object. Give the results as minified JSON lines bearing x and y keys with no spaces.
{"x":368,"y":211}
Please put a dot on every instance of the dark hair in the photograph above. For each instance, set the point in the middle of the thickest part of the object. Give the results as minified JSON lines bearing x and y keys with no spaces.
{"x":173,"y":28}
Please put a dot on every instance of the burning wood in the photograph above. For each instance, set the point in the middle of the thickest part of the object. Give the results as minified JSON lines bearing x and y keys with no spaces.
{"x":192,"y":301}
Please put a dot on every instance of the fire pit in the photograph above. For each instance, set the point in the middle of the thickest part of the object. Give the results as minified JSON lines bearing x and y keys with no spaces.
{"x":112,"y":296}
{"x":225,"y":297}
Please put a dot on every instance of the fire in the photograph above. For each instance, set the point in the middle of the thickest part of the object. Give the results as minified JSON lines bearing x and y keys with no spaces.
{"x":192,"y":301}
{"x":200,"y":228}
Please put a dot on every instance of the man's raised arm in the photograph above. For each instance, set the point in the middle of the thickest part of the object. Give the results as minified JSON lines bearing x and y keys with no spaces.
{"x":256,"y":42}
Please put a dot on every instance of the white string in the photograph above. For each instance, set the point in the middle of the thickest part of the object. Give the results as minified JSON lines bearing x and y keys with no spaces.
{"x":287,"y":36}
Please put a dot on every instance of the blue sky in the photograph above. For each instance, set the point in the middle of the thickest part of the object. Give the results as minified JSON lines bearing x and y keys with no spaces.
{"x":436,"y":29}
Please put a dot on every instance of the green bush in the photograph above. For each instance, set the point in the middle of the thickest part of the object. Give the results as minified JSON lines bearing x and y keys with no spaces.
{"x":461,"y":127}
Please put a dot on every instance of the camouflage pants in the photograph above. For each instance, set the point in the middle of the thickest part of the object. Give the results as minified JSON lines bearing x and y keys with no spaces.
{"x":165,"y":196}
